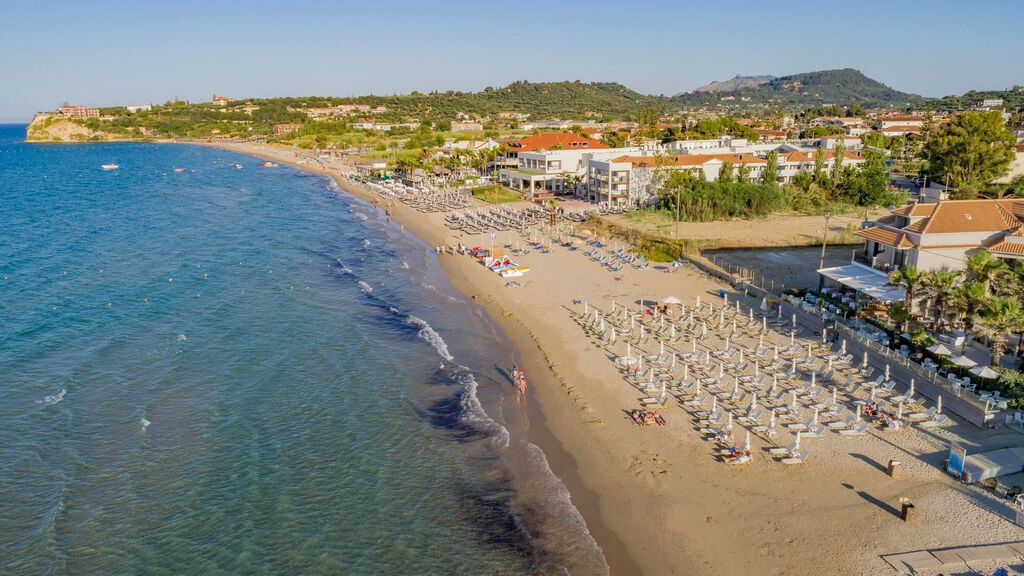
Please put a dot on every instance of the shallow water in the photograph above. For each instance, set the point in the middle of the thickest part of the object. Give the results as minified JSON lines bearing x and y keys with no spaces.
{"x":244,"y":370}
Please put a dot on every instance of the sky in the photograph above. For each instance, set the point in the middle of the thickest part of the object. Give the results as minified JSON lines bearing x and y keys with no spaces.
{"x":106,"y":53}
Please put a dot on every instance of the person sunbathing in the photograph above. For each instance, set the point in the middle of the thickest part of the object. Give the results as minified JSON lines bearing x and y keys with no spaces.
{"x":658,"y":419}
{"x":739,"y":459}
{"x":637,"y":418}
{"x":734,"y":449}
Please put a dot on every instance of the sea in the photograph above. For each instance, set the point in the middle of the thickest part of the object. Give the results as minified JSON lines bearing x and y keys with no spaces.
{"x":208,"y":366}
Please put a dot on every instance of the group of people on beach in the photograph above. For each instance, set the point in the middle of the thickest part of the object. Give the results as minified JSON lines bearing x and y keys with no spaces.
{"x":519,"y":379}
{"x":645,"y":417}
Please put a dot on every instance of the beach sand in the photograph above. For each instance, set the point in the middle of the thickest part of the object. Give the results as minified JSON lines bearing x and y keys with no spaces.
{"x":656,"y":498}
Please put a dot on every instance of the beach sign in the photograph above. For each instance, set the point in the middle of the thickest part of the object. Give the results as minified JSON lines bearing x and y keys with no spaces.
{"x":957,"y":455}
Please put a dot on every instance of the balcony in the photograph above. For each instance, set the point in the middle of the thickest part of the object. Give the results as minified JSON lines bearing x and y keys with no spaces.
{"x":861,"y":257}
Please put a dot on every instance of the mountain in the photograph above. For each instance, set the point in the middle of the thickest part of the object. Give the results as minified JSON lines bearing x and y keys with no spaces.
{"x":799,"y":91}
{"x":735,"y":83}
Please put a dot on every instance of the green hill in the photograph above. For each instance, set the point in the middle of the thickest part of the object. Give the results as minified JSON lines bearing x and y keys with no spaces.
{"x":799,"y":91}
{"x":1012,"y":99}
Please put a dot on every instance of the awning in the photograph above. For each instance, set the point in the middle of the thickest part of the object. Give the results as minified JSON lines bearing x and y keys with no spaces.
{"x":864,"y":280}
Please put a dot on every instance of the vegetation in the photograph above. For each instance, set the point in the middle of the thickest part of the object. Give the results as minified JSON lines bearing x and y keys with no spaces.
{"x":1012,"y":99}
{"x":495,"y":194}
{"x":972,"y":150}
{"x":799,"y":91}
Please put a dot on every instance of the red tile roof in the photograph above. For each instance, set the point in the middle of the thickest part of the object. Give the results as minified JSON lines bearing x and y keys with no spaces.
{"x":958,"y":216}
{"x":886,"y":236}
{"x":548,"y":140}
{"x":689,"y":159}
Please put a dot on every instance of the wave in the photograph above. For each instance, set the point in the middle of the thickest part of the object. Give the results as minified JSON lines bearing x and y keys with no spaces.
{"x":54,"y":398}
{"x":362,"y":217}
{"x":365,"y":287}
{"x":366,"y":243}
{"x":428,"y":333}
{"x":145,"y":423}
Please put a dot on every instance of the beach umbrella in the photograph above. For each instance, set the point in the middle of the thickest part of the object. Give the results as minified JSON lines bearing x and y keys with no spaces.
{"x":612,"y":337}
{"x":698,"y":301}
{"x":815,"y":421}
{"x":849,"y":376}
{"x":984,"y":372}
{"x":737,"y":306}
{"x":753,"y":403}
{"x":735,"y":387}
{"x":632,"y":323}
{"x":835,"y":394}
{"x":792,"y":402}
{"x":775,"y":354}
{"x":864,"y":361}
{"x":703,"y":328}
{"x":810,"y":354}
{"x":940,"y":349}
{"x":760,"y":341}
{"x":697,"y":393}
{"x":764,"y":324}
{"x":733,"y":325}
{"x":771,"y":420}
{"x":641,"y":332}
{"x":872,"y":397}
{"x":792,"y":338}
{"x":899,"y":412}
{"x":824,"y":335}
{"x":693,"y":345}
{"x":602,"y":325}
{"x":858,"y":413}
{"x":721,"y":369}
{"x":686,"y":372}
{"x":661,"y":326}
{"x":793,"y":369}
{"x":661,"y":349}
{"x":707,"y":357}
{"x":910,"y":392}
{"x":714,"y":405}
{"x":794,"y":319}
{"x":829,"y":364}
{"x":673,"y":361}
{"x":640,"y":361}
{"x":721,"y":316}
{"x":797,"y":444}
{"x":586,"y":308}
{"x":711,"y":308}
{"x":764,"y":304}
{"x":750,"y":316}
{"x":842,"y":349}
{"x":613,"y":305}
{"x":628,"y":349}
{"x":775,"y":383}
{"x":662,"y":395}
{"x":938,"y":404}
{"x":728,"y":423}
{"x":747,"y":441}
{"x":963,"y":361}
{"x":727,"y":345}
{"x":624,"y":312}
{"x":813,"y":377}
{"x":725,"y":299}
{"x":886,"y":373}
{"x":757,"y":370}
{"x":672,"y":335}
{"x":780,"y":312}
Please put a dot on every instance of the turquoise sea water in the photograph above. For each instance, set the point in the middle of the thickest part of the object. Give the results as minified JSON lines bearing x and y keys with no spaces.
{"x":240,"y":371}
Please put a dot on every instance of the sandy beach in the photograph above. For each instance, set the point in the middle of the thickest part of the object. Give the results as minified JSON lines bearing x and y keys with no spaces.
{"x":658,"y":499}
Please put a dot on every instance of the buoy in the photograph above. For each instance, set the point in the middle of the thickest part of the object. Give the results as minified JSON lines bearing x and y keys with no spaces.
{"x":291,"y":287}
{"x":307,"y":287}
{"x":271,"y":271}
{"x":101,"y":270}
{"x":170,"y":279}
{"x":54,"y":308}
{"x":197,"y":294}
{"x":108,"y":304}
{"x":145,"y":299}
{"x":243,"y":291}
{"x":204,"y":276}
{"x":65,"y":272}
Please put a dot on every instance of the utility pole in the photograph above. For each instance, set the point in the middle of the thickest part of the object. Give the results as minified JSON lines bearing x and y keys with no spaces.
{"x":675,"y":227}
{"x":824,"y":239}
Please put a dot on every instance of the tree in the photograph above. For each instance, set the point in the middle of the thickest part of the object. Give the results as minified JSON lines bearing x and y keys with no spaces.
{"x":725,"y":172}
{"x":837,"y":161}
{"x":910,"y":280}
{"x":974,"y":149}
{"x":966,"y":299}
{"x":983,"y":267}
{"x":940,"y":283}
{"x":647,"y":117}
{"x":997,"y":318}
{"x":899,"y":314}
{"x":869,"y":185}
{"x":819,"y":166}
{"x":743,"y":174}
{"x":771,"y":171}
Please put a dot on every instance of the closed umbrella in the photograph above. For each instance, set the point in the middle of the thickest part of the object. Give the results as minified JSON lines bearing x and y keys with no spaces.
{"x":672,"y":335}
{"x":586,"y":308}
{"x":824,"y":336}
{"x":775,"y":383}
{"x":775,"y":354}
{"x":886,"y":372}
{"x":938,"y":404}
{"x":842,"y":349}
{"x":764,"y":324}
{"x":613,"y":305}
{"x":764,"y":304}
{"x":741,"y":356}
{"x":771,"y":420}
{"x":750,"y":316}
{"x":864,"y":362}
{"x":698,"y":302}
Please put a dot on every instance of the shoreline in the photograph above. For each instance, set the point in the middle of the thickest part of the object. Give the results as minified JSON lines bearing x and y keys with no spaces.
{"x":658,"y":500}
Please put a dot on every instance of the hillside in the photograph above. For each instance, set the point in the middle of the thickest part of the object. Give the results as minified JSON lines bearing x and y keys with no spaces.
{"x":735,"y":83}
{"x":1012,"y":99}
{"x":799,"y":91}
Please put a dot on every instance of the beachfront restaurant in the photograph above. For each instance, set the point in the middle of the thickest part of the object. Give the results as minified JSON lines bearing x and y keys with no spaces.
{"x":854,"y":283}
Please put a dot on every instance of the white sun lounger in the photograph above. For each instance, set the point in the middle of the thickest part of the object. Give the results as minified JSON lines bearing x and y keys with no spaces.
{"x":798,"y":458}
{"x":857,"y":430}
{"x":939,"y":420}
{"x":815,"y":432}
{"x":923,"y":415}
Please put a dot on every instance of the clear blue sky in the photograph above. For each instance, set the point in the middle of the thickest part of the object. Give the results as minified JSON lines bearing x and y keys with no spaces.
{"x":107,"y":53}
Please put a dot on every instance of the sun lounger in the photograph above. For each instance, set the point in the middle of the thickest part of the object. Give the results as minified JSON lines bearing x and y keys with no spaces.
{"x":787,"y":451}
{"x":743,"y":448}
{"x":659,"y":400}
{"x":928,"y":415}
{"x":815,"y":432}
{"x":696,"y":400}
{"x":798,"y":458}
{"x":802,"y":425}
{"x":857,"y":430}
{"x":939,"y":420}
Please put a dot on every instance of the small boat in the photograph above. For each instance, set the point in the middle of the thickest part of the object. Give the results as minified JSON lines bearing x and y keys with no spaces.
{"x":110,"y":166}
{"x":180,"y":170}
{"x":239,"y":166}
{"x":268,"y":164}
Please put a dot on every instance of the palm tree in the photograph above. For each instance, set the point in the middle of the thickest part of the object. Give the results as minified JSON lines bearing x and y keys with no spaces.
{"x":941,"y":284}
{"x":997,"y":318}
{"x":966,"y":299}
{"x":982,"y":267}
{"x":910,"y":280}
{"x":899,"y":315}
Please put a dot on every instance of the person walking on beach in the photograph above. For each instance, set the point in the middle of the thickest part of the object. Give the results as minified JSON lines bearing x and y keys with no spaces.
{"x":522,"y":381}
{"x":515,"y":375}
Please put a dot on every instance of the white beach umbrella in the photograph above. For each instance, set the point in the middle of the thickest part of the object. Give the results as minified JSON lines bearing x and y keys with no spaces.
{"x":775,"y":354}
{"x":771,"y":420}
{"x":721,"y":370}
{"x":757,"y":370}
{"x":707,"y":357}
{"x":740,"y":361}
{"x":725,"y":299}
{"x":727,"y":344}
{"x":673,"y":332}
{"x":714,"y":404}
{"x":602,"y":325}
{"x":698,"y":301}
{"x":864,"y":361}
{"x":899,"y":412}
{"x":842,"y":349}
{"x":613,"y":305}
{"x":733,"y":325}
{"x":728,"y":424}
{"x":632,"y":323}
{"x":813,"y":378}
{"x":797,"y":443}
{"x":792,"y":338}
{"x":693,"y":345}
{"x":721,"y":317}
{"x":793,"y":368}
{"x":775,"y":383}
{"x":661,"y":324}
{"x":824,"y":335}
{"x":910,"y":392}
{"x":750,"y":316}
{"x":753,"y":403}
{"x":872,"y":397}
{"x":641,"y":331}
{"x":815,"y":421}
{"x":938,"y":404}
{"x":939,"y":349}
{"x":673,"y":361}
{"x":810,"y":353}
{"x":886,"y":372}
{"x":711,"y":308}
{"x":611,"y":337}
{"x":780,"y":311}
{"x":792,"y":402}
{"x":849,"y":376}
{"x":835,"y":394}
{"x":624,"y":312}
{"x":829,"y":364}
{"x":984,"y":372}
{"x":764,"y":304}
{"x":640,"y":361}
{"x":760,"y":341}
{"x":735,"y":387}
{"x":703,"y":328}
{"x":747,"y":441}
{"x":697,"y":393}
{"x":662,"y":395}
{"x":794,"y":320}
{"x":586,"y":308}
{"x":858,"y":411}
{"x":661,"y":348}
{"x":963,"y":361}
{"x":764,"y":324}
{"x":686,"y":372}
{"x":628,"y":349}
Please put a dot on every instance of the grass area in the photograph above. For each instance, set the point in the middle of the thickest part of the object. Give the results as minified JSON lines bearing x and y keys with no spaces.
{"x":496,"y":194}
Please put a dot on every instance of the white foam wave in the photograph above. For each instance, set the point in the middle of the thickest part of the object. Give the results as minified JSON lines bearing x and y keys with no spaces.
{"x":181,"y":338}
{"x":145,"y":423}
{"x":361,"y":216}
{"x":473,"y":412}
{"x":365,"y":287}
{"x":366,"y":243}
{"x":427,"y":333}
{"x":54,"y":398}
{"x":405,"y":265}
